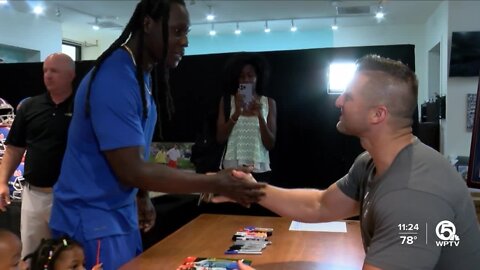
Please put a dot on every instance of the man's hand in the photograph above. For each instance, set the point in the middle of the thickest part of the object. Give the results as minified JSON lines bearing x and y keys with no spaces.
{"x":242,"y":174}
{"x":146,"y":213}
{"x":4,"y":197}
{"x":240,"y":187}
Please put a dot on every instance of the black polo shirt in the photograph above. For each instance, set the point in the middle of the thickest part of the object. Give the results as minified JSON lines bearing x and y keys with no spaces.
{"x":41,"y":126}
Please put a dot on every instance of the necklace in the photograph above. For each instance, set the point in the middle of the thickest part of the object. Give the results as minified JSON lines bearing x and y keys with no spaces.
{"x":130,"y":52}
{"x":135,"y":64}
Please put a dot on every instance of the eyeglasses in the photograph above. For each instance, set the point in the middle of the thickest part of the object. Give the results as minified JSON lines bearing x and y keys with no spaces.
{"x":179,"y":32}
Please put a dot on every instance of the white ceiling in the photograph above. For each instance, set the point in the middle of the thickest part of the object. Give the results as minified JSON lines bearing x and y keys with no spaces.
{"x":78,"y":16}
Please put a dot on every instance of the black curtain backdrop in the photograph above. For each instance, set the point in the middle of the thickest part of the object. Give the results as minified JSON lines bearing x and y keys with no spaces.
{"x":309,"y":151}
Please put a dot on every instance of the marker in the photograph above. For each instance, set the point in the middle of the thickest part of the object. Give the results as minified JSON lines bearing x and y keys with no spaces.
{"x":252,"y":243}
{"x":243,"y":252}
{"x":245,"y":248}
{"x":249,"y":238}
{"x":258,"y":229}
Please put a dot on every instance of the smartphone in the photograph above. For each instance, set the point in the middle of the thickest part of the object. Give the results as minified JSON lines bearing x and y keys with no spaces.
{"x":246,"y":90}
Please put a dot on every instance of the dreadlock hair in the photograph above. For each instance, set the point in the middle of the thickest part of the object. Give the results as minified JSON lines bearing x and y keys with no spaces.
{"x":46,"y":254}
{"x":157,"y":10}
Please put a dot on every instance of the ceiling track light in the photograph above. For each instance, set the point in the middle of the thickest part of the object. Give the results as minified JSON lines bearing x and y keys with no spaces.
{"x":58,"y":13}
{"x":293,"y":28}
{"x":267,"y":29}
{"x":334,"y":25}
{"x":96,"y":26}
{"x":212,"y":30}
{"x":237,"y":29}
{"x":380,"y":14}
{"x":210,"y":15}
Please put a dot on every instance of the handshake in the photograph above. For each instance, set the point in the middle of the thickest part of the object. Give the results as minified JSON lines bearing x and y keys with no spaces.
{"x":240,"y":177}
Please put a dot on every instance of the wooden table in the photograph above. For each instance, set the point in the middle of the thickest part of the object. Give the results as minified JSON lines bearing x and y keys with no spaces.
{"x":210,"y":235}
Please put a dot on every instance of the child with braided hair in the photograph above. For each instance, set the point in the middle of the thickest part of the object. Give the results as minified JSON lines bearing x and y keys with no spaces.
{"x":59,"y":254}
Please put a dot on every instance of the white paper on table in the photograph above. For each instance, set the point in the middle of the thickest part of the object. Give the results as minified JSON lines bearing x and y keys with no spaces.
{"x":334,"y":226}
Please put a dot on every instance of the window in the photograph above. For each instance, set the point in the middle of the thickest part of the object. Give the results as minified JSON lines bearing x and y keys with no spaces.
{"x":72,"y":49}
{"x":339,"y":76}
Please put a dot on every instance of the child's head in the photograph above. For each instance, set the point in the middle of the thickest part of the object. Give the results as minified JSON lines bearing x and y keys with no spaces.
{"x":10,"y":250}
{"x":58,"y":254}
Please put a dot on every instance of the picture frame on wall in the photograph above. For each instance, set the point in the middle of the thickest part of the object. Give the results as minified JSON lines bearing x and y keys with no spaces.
{"x":473,"y":176}
{"x":164,"y":152}
{"x":471,"y":101}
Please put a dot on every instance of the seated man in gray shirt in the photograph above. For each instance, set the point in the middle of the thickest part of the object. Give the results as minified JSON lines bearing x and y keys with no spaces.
{"x":398,"y":186}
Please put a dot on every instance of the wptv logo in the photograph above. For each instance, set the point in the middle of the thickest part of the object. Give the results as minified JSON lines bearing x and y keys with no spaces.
{"x":446,"y":232}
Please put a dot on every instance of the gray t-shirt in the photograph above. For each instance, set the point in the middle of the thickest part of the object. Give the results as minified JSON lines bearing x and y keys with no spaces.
{"x":407,"y":213}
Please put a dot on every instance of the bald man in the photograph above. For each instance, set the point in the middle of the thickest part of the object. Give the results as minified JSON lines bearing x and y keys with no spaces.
{"x":10,"y":249}
{"x":40,"y":128}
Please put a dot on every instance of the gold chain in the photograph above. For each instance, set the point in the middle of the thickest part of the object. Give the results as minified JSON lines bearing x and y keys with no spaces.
{"x":135,"y":63}
{"x":130,"y":52}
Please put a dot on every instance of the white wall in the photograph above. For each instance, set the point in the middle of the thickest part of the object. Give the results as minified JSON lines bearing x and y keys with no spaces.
{"x":93,"y":42}
{"x":462,"y":16}
{"x":458,"y":139}
{"x":30,"y":32}
{"x":436,"y":34}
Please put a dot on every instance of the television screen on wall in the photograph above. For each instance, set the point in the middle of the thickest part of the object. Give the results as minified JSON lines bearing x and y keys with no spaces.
{"x":465,"y":54}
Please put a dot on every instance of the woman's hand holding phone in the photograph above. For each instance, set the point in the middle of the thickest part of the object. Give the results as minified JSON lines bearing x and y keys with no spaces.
{"x":238,"y":104}
{"x":246,"y":90}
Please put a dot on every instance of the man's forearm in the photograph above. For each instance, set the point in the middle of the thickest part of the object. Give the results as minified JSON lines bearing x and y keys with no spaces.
{"x":298,"y":204}
{"x":11,"y":159}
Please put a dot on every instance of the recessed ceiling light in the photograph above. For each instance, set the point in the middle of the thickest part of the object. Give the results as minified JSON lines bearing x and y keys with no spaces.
{"x":38,"y":10}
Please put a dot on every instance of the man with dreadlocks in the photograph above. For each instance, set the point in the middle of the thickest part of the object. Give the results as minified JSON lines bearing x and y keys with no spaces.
{"x":96,"y":198}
